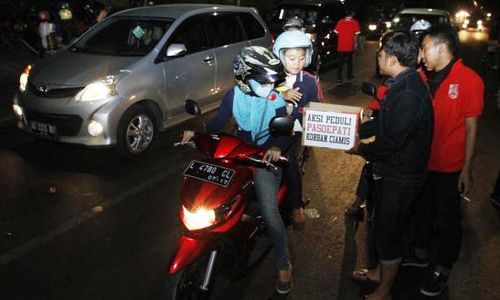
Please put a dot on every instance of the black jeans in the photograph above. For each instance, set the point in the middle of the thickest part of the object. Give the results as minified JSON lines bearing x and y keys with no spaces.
{"x":344,"y":57}
{"x":439,"y":218}
{"x":394,"y":199}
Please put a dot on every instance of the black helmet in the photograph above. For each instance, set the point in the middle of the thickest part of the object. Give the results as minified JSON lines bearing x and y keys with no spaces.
{"x":257,"y":63}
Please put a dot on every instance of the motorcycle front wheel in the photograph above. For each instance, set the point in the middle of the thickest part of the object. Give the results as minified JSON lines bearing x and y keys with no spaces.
{"x":186,"y":284}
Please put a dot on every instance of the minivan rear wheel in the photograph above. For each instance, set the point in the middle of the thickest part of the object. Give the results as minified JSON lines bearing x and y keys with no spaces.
{"x":136,"y":132}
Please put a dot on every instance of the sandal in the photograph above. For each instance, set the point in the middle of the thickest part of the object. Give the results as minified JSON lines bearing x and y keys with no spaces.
{"x":353,"y":210}
{"x":299,"y":219}
{"x":361,"y":276}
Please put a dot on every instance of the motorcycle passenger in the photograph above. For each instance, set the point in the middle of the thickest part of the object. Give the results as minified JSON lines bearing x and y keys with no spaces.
{"x":253,"y":103}
{"x":295,"y":49}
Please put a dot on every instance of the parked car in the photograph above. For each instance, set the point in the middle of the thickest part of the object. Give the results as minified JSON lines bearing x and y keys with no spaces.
{"x":319,"y":19}
{"x":128,"y":77}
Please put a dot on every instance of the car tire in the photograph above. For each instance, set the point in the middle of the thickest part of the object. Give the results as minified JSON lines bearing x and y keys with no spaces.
{"x":136,"y":132}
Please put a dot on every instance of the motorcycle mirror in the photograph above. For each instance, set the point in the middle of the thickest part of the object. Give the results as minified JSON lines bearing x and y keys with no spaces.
{"x":281,"y":125}
{"x":192,"y":108}
{"x":369,"y":89}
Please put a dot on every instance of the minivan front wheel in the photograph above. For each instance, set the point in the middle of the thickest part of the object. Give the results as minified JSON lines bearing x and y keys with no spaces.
{"x":136,"y":131}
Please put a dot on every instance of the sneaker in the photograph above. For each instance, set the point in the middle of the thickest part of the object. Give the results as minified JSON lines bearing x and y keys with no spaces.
{"x":415,"y":262}
{"x":350,"y":79}
{"x":435,"y":285}
{"x":339,"y":81}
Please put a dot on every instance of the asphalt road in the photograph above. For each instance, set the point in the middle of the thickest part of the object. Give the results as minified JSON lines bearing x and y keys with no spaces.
{"x":78,"y":223}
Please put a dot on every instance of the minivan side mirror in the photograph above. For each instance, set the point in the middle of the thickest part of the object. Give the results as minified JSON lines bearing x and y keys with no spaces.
{"x":176,"y":50}
{"x":369,"y":89}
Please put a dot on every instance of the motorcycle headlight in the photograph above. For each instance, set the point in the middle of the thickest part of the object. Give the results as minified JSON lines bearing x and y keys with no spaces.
{"x":372,"y":27}
{"x":97,"y":90}
{"x":23,"y":79}
{"x":198,"y":219}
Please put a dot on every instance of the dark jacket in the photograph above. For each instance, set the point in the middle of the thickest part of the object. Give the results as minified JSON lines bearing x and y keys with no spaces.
{"x":404,"y":131}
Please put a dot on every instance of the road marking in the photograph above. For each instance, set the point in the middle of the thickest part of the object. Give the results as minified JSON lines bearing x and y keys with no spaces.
{"x":77,"y":220}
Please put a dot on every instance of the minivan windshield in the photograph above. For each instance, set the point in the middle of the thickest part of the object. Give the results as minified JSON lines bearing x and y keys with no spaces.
{"x":404,"y":21}
{"x":123,"y":36}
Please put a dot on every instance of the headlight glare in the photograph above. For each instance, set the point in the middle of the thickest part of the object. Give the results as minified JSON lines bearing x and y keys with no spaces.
{"x":198,"y":218}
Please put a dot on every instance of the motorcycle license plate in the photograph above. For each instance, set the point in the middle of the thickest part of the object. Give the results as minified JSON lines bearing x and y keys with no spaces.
{"x":209,"y":172}
{"x":43,"y":129}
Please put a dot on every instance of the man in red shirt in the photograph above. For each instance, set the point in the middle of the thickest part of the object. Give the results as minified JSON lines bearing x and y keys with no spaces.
{"x":347,"y":30}
{"x":458,"y":103}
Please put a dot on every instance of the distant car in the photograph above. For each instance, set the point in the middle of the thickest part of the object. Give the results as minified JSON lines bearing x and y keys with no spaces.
{"x":404,"y":19}
{"x":128,"y":77}
{"x":319,"y":19}
{"x":407,"y":17}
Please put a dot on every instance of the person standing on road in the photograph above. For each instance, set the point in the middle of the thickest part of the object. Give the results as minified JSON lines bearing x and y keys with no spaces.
{"x":347,"y":30}
{"x":399,"y":154}
{"x":458,"y":102}
{"x":294,"y":49}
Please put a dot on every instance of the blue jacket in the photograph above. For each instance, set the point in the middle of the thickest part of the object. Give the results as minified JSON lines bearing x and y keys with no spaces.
{"x":225,"y":113}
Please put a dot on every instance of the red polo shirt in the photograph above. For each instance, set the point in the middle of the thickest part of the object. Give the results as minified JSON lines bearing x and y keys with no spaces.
{"x":346,"y":29}
{"x":458,"y":97}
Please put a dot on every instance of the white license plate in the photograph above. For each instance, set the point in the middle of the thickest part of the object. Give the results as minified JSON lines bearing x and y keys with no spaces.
{"x":43,"y":129}
{"x":208,"y":172}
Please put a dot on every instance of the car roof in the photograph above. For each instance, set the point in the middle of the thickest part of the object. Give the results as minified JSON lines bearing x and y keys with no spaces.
{"x":176,"y":10}
{"x":309,"y":3}
{"x":424,"y":11}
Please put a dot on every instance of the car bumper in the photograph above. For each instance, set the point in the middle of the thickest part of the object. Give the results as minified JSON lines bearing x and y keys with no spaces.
{"x":67,"y":121}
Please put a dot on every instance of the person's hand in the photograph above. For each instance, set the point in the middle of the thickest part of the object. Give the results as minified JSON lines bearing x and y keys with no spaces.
{"x":272,"y":154}
{"x":355,"y":149}
{"x":292,"y":95}
{"x":366,"y":116}
{"x":464,"y":181}
{"x":187,"y":135}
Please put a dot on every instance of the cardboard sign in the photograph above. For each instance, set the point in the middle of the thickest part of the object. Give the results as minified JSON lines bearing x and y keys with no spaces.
{"x":329,"y":125}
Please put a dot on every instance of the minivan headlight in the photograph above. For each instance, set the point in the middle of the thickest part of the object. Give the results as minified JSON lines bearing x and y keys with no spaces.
{"x":97,"y":90}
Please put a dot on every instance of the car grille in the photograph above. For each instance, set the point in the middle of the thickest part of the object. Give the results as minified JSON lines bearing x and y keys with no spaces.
{"x":68,"y":125}
{"x":55,"y":93}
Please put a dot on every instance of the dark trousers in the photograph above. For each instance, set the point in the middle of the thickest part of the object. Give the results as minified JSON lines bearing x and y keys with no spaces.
{"x":344,"y":57}
{"x":394,"y":199}
{"x":439,"y":218}
{"x":292,"y":174}
{"x":366,"y":186}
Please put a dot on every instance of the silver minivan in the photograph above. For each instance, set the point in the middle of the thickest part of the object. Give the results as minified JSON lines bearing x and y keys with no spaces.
{"x":128,"y":77}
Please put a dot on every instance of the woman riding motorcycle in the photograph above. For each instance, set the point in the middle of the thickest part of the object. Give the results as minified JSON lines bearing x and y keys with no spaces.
{"x":253,"y":103}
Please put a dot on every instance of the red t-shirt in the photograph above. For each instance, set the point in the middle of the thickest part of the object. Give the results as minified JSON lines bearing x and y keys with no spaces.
{"x":346,"y":30}
{"x":458,"y":97}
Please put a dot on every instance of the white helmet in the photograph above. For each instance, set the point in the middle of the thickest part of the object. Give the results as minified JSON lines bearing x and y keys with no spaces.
{"x":293,"y":39}
{"x":420,"y":25}
{"x":293,"y":23}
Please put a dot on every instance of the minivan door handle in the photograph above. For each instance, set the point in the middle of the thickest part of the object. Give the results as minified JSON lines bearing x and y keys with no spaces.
{"x":208,"y":59}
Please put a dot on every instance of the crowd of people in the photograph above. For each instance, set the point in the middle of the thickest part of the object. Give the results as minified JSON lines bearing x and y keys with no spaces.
{"x":50,"y":28}
{"x":418,"y":166}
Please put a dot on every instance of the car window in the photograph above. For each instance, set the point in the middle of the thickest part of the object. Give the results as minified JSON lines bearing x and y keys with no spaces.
{"x":192,"y":33}
{"x":252,"y":27}
{"x":307,"y":13}
{"x":404,"y":21}
{"x":226,"y":29}
{"x":123,"y":36}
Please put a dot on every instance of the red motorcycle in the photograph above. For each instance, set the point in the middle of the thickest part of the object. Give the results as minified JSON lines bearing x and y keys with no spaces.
{"x":223,"y":232}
